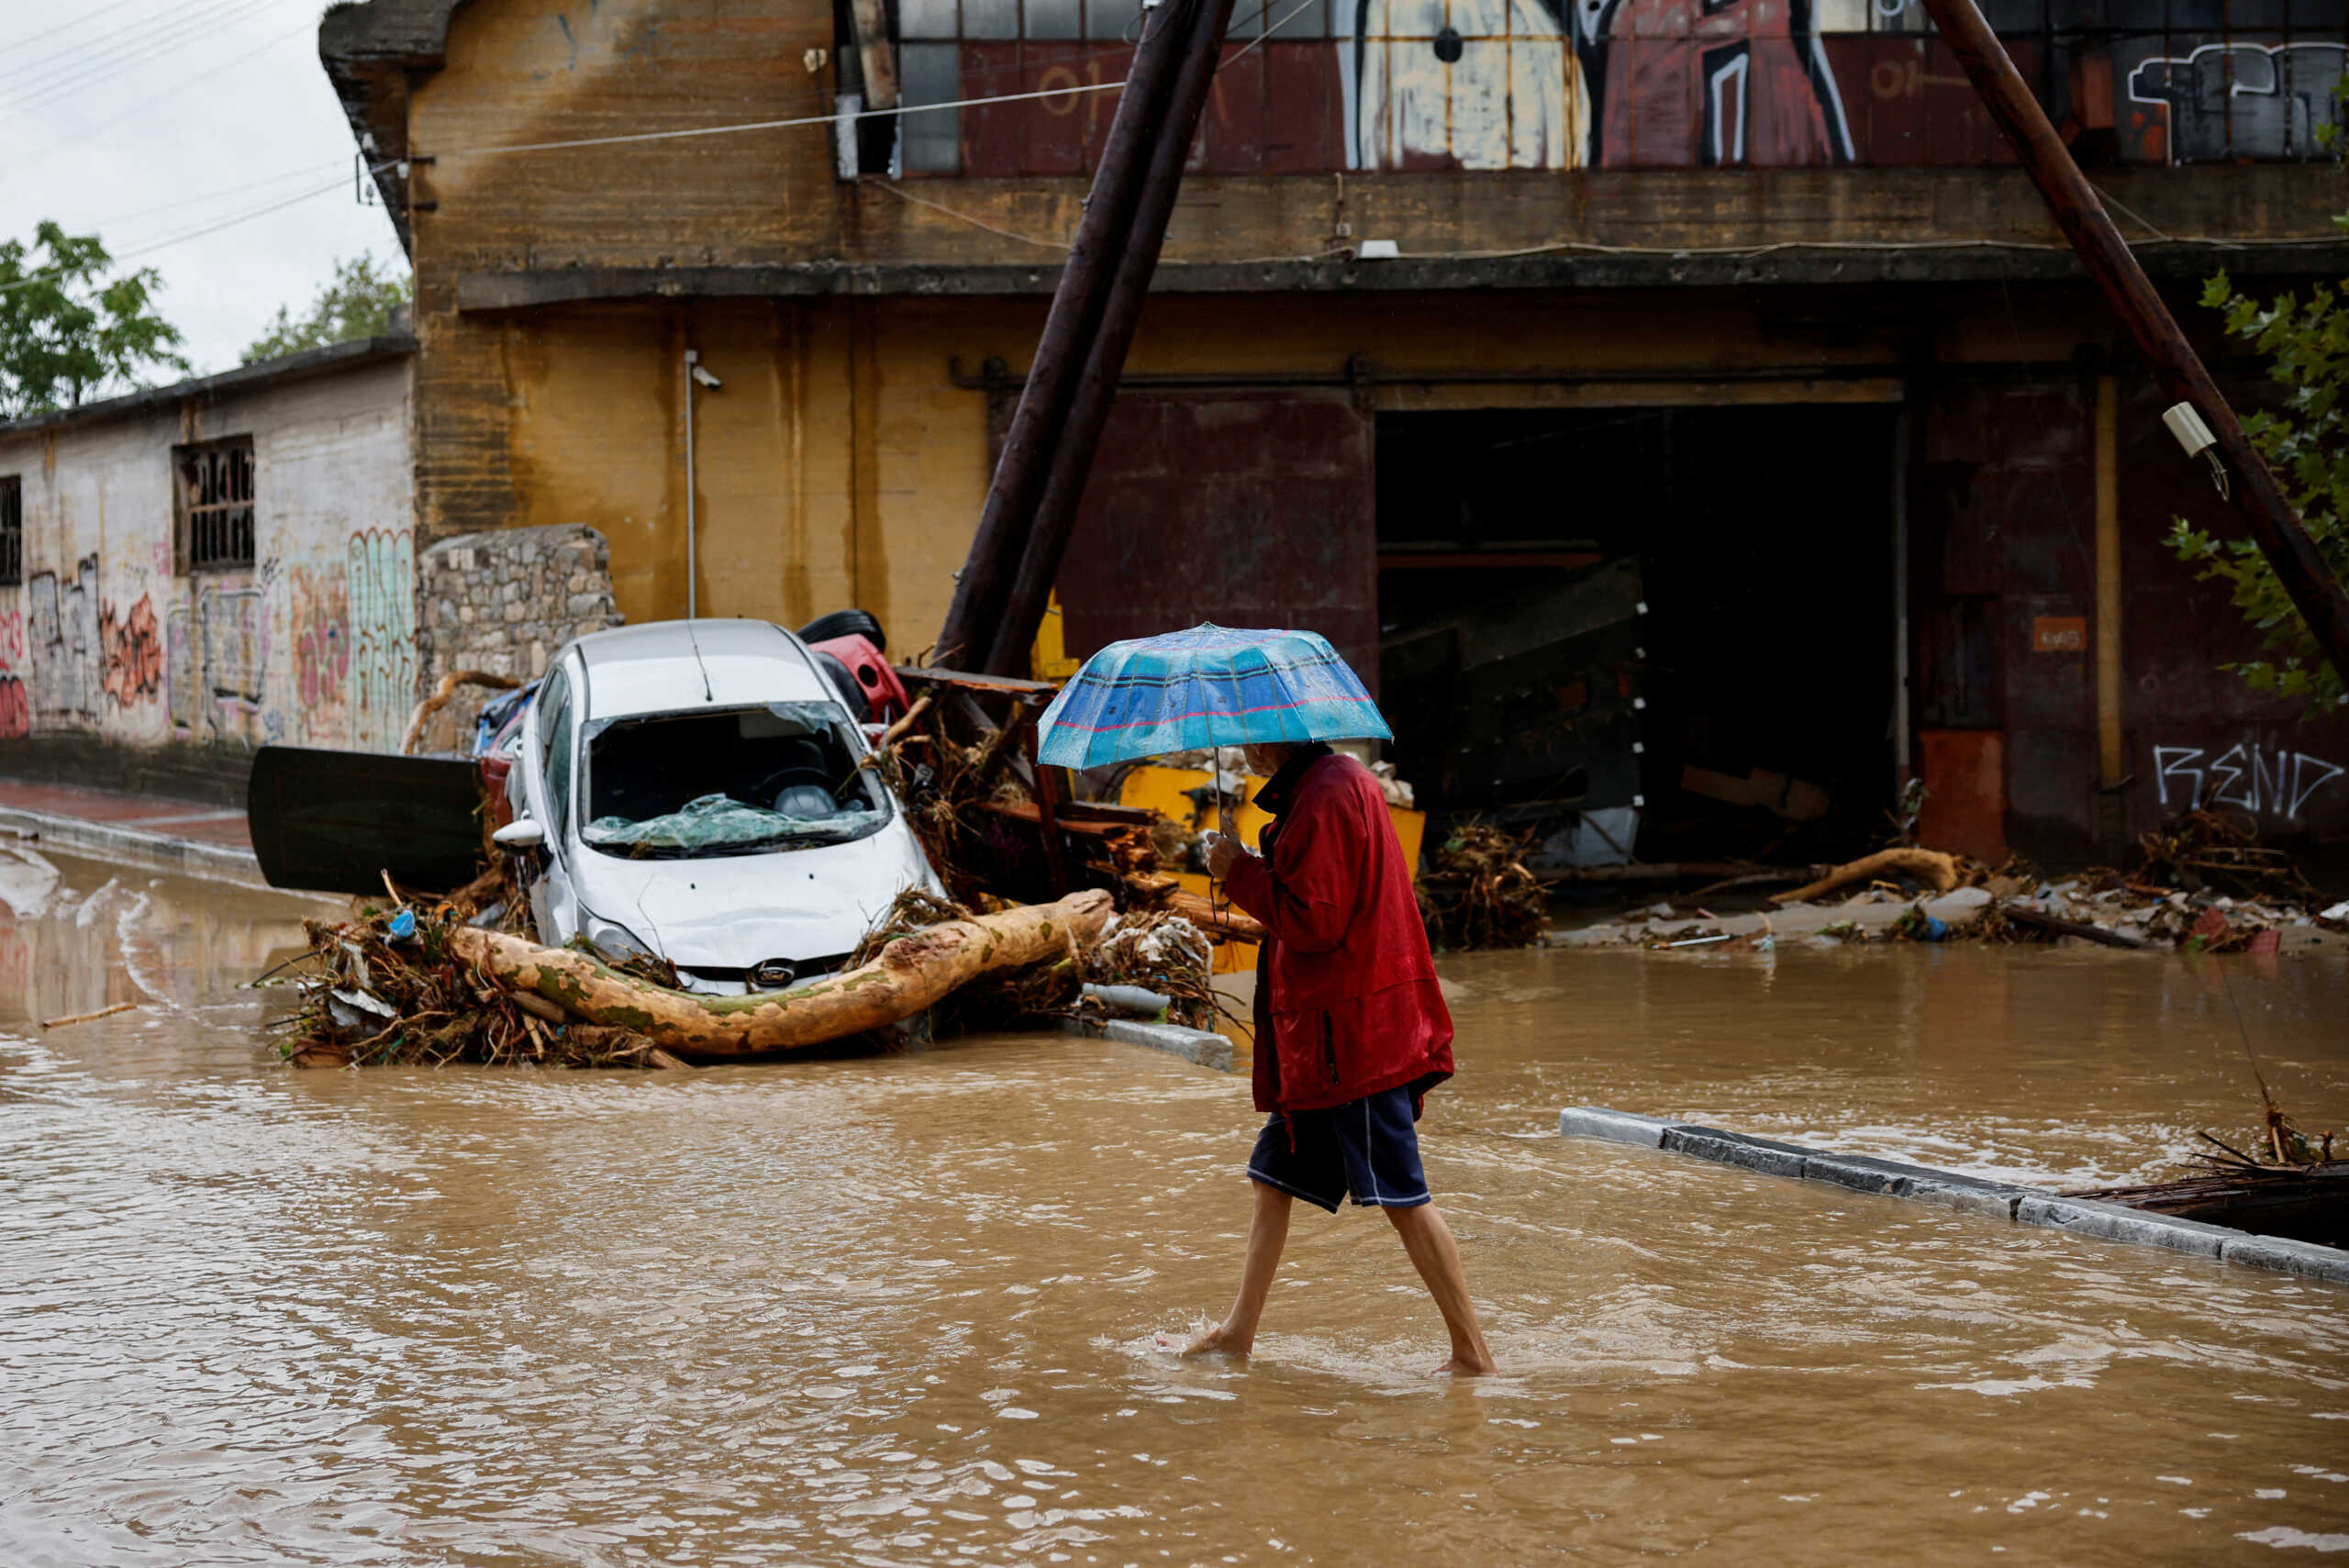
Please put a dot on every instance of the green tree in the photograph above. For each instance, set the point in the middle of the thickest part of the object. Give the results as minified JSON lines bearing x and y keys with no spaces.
{"x":67,"y":334}
{"x":357,"y":304}
{"x":2306,"y":441}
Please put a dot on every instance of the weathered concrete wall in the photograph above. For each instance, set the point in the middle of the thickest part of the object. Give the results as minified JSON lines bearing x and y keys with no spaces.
{"x":114,"y":650}
{"x":504,"y":603}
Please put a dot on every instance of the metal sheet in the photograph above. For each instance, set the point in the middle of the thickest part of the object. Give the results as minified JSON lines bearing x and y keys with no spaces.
{"x":1247,"y":511}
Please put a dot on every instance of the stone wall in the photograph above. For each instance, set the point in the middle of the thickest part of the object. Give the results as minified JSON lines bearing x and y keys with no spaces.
{"x":504,"y":601}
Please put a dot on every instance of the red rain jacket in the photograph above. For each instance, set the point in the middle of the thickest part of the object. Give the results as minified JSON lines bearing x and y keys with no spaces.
{"x":1348,"y":985}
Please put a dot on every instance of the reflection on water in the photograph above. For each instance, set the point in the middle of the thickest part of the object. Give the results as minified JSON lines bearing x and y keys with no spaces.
{"x":899,"y":1310}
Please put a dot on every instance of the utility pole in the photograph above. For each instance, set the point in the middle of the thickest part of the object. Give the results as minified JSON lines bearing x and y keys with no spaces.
{"x":1096,"y":261}
{"x":1097,"y":387}
{"x":2275,"y":526}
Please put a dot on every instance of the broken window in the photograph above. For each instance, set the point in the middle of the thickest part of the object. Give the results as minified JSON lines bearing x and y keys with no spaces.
{"x":12,"y":531}
{"x":215,"y":495}
{"x":750,"y":781}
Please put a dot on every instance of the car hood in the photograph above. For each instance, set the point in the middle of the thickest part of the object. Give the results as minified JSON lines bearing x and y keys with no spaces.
{"x":734,"y":911}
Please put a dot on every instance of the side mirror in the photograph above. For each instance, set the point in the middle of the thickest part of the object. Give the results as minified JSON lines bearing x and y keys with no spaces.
{"x":520,"y":834}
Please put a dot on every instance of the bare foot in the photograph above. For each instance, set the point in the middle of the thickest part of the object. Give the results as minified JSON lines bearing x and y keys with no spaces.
{"x":1218,"y":1341}
{"x":1460,"y":1366}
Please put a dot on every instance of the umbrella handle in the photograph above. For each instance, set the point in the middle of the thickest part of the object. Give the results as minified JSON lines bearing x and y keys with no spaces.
{"x":1224,"y":825}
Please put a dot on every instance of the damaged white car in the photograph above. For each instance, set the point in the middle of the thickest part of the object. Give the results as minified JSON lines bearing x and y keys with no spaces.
{"x":697,"y":790}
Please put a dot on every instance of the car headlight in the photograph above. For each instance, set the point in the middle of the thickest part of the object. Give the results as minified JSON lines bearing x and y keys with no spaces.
{"x":614,"y":941}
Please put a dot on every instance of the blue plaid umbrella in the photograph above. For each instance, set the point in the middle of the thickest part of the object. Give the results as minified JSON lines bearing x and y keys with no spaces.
{"x":1211,"y":686}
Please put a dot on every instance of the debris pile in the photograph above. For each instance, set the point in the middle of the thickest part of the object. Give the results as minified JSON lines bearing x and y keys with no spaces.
{"x":2204,"y":884}
{"x":423,"y":985}
{"x":2295,"y":1186}
{"x":1156,"y":952}
{"x":390,"y":989}
{"x":1477,"y":890}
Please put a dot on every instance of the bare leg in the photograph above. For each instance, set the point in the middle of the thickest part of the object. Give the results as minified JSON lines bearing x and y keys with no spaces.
{"x":1267,"y":1234}
{"x":1434,"y":1252}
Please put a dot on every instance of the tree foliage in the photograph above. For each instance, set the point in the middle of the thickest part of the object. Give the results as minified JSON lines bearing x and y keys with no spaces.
{"x":357,"y":304}
{"x":2306,"y":441}
{"x":66,"y":332}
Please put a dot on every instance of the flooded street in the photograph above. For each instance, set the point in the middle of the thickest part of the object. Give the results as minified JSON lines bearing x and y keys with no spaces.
{"x":901,"y":1309}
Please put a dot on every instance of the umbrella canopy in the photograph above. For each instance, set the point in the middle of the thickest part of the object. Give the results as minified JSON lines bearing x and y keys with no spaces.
{"x":1212,"y":686}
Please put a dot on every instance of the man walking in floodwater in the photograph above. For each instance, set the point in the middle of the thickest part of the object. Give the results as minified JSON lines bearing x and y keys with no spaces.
{"x":1351,"y":1032}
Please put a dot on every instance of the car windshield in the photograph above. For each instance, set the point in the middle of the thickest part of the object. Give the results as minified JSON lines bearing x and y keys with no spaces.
{"x":746,"y":781}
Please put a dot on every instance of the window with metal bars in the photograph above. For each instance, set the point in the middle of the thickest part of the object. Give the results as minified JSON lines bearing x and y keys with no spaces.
{"x":216,"y":482}
{"x":12,"y":531}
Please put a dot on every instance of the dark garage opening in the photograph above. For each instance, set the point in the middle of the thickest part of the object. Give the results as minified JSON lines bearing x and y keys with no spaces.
{"x":1674,"y":623}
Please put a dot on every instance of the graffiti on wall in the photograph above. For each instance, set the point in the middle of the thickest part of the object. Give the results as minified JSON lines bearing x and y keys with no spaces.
{"x":1472,"y":85}
{"x":2271,"y":782}
{"x":1495,"y":84}
{"x":16,"y":706}
{"x":131,"y":668}
{"x":62,"y":644}
{"x":232,"y":625}
{"x":2225,"y":101}
{"x":321,"y":614}
{"x":380,"y":577}
{"x":183,"y":693}
{"x":216,"y":656}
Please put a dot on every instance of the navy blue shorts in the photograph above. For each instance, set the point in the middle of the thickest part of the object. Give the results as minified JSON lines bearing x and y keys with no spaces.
{"x":1366,"y":1149}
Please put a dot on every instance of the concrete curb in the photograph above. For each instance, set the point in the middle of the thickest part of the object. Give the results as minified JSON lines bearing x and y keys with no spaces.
{"x":1949,"y":1189}
{"x":217,"y":862}
{"x":1196,"y":1047}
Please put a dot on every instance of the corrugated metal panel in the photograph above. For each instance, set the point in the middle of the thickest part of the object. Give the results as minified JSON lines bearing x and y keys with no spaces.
{"x":1248,"y":511}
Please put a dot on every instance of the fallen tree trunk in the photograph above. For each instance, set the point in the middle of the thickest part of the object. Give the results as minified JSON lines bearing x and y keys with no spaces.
{"x":1926,"y":865}
{"x":907,"y":976}
{"x":1218,"y":920}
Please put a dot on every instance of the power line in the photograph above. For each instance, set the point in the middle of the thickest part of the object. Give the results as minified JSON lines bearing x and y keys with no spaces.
{"x":90,"y":48}
{"x":775,"y":125}
{"x":196,"y":233}
{"x":66,"y":26}
{"x":208,"y":76}
{"x":134,"y":53}
{"x":307,"y":170}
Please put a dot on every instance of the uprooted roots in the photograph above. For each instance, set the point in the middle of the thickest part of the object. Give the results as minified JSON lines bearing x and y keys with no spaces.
{"x":1150,"y":948}
{"x":1479,"y":894}
{"x":373,"y":1000}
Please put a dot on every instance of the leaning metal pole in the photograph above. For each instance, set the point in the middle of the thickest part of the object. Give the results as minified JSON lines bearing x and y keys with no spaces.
{"x":2275,"y":526}
{"x":1021,"y":470}
{"x":1096,"y":388}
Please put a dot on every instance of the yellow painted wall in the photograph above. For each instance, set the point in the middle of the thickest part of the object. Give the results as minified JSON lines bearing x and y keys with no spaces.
{"x":840,"y":464}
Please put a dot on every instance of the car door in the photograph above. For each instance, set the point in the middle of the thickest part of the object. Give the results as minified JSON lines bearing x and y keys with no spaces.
{"x":553,"y":768}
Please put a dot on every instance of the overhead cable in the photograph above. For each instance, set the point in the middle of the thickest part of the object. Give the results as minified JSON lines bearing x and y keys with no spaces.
{"x":73,"y":79}
{"x":62,"y":58}
{"x":207,"y":76}
{"x":67,"y":25}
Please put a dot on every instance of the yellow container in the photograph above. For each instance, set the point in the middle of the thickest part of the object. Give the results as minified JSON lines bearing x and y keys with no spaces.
{"x":1164,"y":790}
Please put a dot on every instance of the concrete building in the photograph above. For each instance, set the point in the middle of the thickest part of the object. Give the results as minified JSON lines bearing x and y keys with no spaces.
{"x":188,"y":573}
{"x":1746,"y":300}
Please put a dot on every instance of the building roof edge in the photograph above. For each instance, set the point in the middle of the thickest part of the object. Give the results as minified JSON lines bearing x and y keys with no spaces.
{"x":304,"y":366}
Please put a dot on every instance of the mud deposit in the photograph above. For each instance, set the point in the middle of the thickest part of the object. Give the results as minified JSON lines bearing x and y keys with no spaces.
{"x":899,"y":1310}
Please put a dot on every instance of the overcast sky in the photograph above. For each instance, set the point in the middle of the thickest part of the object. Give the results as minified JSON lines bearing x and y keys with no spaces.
{"x":144,"y":120}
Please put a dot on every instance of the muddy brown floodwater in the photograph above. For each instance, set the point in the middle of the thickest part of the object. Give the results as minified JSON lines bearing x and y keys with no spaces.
{"x":899,"y":1310}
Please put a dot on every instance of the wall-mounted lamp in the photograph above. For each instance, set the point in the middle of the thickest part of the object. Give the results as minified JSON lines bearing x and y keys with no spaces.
{"x":2196,"y":437}
{"x":697,"y":374}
